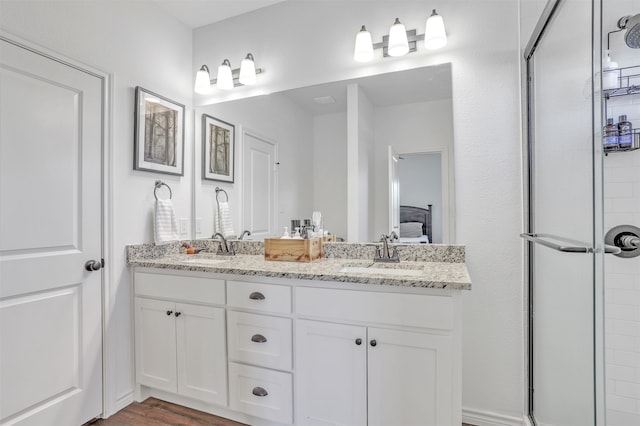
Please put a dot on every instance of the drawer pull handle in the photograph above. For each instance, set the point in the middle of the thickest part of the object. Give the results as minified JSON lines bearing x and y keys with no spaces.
{"x":177,"y":314}
{"x":258,"y":391}
{"x":358,"y":341}
{"x":256,"y":295}
{"x":169,"y":313}
{"x":374,"y":343}
{"x":258,"y":338}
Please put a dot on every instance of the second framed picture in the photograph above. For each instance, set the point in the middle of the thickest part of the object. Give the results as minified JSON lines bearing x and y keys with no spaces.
{"x":218,"y":143}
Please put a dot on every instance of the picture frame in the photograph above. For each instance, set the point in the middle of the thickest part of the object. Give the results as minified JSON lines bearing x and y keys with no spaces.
{"x":218,"y":149}
{"x":159,"y":134}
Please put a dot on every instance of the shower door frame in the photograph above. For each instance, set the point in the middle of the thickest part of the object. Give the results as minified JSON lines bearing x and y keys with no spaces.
{"x":544,"y":22}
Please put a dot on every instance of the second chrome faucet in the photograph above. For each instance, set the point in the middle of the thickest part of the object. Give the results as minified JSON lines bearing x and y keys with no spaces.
{"x":384,"y":255}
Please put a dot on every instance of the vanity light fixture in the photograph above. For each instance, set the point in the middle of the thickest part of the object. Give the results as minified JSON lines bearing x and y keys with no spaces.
{"x":247,"y":71}
{"x":435,"y":36}
{"x":363,"y":51}
{"x":399,"y":42}
{"x":227,"y":78}
{"x":203,"y":83}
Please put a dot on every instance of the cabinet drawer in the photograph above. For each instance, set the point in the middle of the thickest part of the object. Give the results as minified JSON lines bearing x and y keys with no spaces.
{"x":180,"y":287}
{"x":413,"y":310}
{"x":260,"y":340}
{"x":260,"y":392}
{"x":263,"y":297}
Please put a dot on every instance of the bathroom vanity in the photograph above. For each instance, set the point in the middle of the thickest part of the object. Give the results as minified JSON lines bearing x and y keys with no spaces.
{"x":341,"y":340}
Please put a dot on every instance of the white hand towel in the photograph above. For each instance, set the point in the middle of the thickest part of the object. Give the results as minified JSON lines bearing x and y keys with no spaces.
{"x":223,"y":223}
{"x":165,"y":224}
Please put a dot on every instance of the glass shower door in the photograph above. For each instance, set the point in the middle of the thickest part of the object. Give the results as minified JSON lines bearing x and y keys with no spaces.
{"x":563,"y":204}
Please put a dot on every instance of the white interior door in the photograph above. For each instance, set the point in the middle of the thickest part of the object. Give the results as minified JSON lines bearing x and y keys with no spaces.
{"x":394,"y":192}
{"x":50,"y":225}
{"x":259,"y":204}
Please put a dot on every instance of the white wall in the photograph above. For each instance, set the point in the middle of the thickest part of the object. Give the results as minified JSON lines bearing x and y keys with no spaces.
{"x":274,"y":117}
{"x":360,"y":131}
{"x":483,"y":48}
{"x":141,"y":46}
{"x":330,"y":171}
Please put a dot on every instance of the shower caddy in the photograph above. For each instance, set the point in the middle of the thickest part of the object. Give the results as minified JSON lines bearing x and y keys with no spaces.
{"x":629,"y":82}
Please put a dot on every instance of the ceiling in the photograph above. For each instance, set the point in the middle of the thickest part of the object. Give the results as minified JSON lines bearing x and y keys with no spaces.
{"x":424,"y":84}
{"x":196,"y":13}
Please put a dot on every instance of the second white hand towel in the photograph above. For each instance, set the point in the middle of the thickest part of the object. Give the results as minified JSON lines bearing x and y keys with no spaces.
{"x":165,"y":224}
{"x":224,"y":225}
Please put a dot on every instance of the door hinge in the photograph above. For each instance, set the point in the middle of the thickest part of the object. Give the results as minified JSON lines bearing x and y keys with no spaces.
{"x":102,"y":262}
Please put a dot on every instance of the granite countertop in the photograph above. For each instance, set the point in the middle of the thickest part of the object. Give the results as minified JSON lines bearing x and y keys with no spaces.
{"x":425,"y":274}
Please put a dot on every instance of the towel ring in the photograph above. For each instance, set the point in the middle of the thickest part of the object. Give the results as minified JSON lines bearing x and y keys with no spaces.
{"x":218,"y":191}
{"x":160,"y":183}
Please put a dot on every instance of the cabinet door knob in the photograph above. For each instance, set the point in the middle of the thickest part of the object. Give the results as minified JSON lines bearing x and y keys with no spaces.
{"x":256,"y":295}
{"x":169,"y":313}
{"x":258,"y":391}
{"x":258,"y":338}
{"x":358,"y":341}
{"x":178,"y":314}
{"x":373,"y":343}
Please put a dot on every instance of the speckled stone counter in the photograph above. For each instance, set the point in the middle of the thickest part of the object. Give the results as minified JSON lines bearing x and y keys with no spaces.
{"x":427,"y":266}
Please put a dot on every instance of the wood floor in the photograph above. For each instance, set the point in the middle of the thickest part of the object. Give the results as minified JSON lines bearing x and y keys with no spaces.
{"x":154,"y":412}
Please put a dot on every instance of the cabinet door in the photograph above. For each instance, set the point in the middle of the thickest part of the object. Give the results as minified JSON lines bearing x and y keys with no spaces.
{"x":201,"y":352}
{"x":410,"y":380}
{"x":155,"y":344}
{"x":331,"y":374}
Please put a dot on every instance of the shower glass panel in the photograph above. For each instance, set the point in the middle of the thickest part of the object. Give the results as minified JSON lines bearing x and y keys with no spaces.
{"x":562,"y":262}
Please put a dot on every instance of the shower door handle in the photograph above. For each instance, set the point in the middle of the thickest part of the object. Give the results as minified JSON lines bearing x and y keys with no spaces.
{"x":568,"y":246}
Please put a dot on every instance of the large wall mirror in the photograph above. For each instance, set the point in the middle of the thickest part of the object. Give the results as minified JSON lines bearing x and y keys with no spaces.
{"x":328,"y":148}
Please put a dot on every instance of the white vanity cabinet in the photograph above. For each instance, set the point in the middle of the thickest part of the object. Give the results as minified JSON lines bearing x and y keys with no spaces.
{"x":180,"y":347}
{"x":275,"y":352}
{"x":259,"y":331}
{"x":374,"y":366}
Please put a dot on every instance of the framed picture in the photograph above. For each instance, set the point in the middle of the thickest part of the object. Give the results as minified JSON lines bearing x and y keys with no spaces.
{"x":218,"y":142}
{"x":159,"y":134}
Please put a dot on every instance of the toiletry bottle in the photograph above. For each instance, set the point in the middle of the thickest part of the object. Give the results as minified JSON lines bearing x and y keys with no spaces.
{"x":285,"y":234}
{"x":625,"y":138}
{"x":609,"y":73}
{"x":611,"y":138}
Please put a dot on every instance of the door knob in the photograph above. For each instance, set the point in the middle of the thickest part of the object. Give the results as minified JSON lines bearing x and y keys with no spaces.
{"x":93,"y":265}
{"x":373,"y":343}
{"x":358,"y":341}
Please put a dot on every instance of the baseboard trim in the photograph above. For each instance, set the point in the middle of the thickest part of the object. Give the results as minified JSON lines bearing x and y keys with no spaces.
{"x":487,"y":418}
{"x":123,"y":401}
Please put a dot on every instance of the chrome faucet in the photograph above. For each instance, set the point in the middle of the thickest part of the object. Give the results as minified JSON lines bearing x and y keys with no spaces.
{"x":384,"y":255}
{"x":245,"y":232}
{"x":224,"y":249}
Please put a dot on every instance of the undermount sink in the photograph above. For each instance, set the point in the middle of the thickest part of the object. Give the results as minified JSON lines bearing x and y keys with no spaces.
{"x":200,"y":261}
{"x":382,"y":271}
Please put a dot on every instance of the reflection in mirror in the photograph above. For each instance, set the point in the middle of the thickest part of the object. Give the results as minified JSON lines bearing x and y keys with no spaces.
{"x":329,"y":153}
{"x":420,"y":209}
